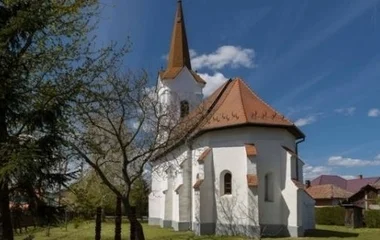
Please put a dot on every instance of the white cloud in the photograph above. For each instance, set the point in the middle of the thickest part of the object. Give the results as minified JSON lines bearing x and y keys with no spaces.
{"x":348,"y":177}
{"x":351,"y":162}
{"x":233,"y":56}
{"x":346,"y":111}
{"x":193,"y":53}
{"x":305,"y":121}
{"x":213,"y":82}
{"x":311,"y":172}
{"x":165,"y":57}
{"x":374,"y":112}
{"x":377,"y":157}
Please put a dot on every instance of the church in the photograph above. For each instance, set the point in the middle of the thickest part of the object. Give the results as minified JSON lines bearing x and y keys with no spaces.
{"x":239,"y":173}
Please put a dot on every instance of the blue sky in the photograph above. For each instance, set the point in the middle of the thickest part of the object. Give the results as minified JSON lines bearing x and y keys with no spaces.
{"x":317,"y":62}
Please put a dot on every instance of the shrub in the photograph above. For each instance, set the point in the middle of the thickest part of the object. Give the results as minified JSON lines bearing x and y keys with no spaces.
{"x":330,"y":215}
{"x":77,"y":222}
{"x":372,"y":218}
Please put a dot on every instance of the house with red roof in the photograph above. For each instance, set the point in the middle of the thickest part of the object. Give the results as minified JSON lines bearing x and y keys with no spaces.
{"x":330,"y":190}
{"x":236,"y":170}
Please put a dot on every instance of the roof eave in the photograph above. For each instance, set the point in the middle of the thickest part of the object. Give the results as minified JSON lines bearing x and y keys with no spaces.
{"x":298,"y":134}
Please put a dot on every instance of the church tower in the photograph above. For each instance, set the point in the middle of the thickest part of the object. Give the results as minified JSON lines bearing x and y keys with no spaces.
{"x":179,"y":87}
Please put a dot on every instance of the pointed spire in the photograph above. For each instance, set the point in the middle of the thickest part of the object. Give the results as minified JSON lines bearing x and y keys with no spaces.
{"x":179,"y":55}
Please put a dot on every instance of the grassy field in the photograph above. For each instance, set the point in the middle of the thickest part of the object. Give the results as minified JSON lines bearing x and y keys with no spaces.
{"x":86,"y":232}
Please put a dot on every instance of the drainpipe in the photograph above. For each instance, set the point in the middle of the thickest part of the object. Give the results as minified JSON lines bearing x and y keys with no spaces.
{"x":298,"y":142}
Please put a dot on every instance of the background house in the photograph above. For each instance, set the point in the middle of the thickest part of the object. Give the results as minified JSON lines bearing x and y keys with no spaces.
{"x":327,"y":194}
{"x":330,"y":190}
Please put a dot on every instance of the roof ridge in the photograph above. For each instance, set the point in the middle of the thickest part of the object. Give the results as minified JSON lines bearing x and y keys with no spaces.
{"x":242,"y":100}
{"x":226,"y":93}
{"x":262,"y":101}
{"x":214,"y":105}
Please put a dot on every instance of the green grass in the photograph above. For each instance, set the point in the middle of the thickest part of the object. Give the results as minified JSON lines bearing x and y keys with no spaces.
{"x":86,"y":232}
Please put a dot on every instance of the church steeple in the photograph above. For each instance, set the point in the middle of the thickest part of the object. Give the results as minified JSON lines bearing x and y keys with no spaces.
{"x":178,"y":85}
{"x":179,"y":55}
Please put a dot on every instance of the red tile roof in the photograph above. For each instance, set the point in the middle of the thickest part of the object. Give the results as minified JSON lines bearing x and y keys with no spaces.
{"x":252,"y":180}
{"x":235,"y":104}
{"x":204,"y":155}
{"x":198,"y":183}
{"x":250,"y":149}
{"x":354,"y":185}
{"x":298,"y":184}
{"x":171,"y":73}
{"x":328,"y":191}
{"x":351,"y":185}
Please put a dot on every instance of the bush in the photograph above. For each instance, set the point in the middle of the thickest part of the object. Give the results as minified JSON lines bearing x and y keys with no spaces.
{"x":330,"y":215}
{"x":77,"y":222}
{"x":372,"y":218}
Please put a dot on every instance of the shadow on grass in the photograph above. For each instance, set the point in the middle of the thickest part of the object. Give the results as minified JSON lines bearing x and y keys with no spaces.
{"x":319,"y":233}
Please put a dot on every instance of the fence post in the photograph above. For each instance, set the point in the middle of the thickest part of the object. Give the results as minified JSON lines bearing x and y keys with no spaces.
{"x":98,"y":222}
{"x":118,"y":219}
{"x":133,"y":223}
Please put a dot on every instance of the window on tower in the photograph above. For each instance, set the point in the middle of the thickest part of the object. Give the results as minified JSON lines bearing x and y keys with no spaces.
{"x":184,"y":108}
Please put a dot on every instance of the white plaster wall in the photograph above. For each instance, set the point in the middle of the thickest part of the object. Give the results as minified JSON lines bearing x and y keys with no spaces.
{"x":184,"y":87}
{"x":251,"y":165}
{"x":290,"y":194}
{"x":231,"y":209}
{"x":308,"y":211}
{"x":175,"y":216}
{"x":207,"y":198}
{"x":229,"y":154}
{"x":160,"y":183}
{"x":156,"y":196}
{"x":270,"y":158}
{"x":196,"y":169}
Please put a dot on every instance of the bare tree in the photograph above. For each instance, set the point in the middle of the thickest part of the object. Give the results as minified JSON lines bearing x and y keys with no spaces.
{"x":120,"y":126}
{"x":236,"y":215}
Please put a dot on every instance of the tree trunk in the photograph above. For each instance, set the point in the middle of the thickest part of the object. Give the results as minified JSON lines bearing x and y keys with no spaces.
{"x":5,"y":213}
{"x":136,"y":229}
{"x":98,"y":223}
{"x":118,"y":219}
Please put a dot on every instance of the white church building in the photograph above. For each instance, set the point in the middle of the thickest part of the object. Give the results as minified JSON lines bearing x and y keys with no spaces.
{"x":239,"y":173}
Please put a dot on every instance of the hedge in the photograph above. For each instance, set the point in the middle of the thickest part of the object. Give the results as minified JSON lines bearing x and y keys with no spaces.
{"x":330,"y":215}
{"x":372,"y":218}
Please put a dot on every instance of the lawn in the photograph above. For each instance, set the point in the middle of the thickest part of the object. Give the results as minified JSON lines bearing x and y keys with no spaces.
{"x":86,"y":232}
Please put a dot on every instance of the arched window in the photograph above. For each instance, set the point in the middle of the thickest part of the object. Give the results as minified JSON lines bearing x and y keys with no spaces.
{"x":184,"y":108}
{"x":227,"y":183}
{"x":268,"y":187}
